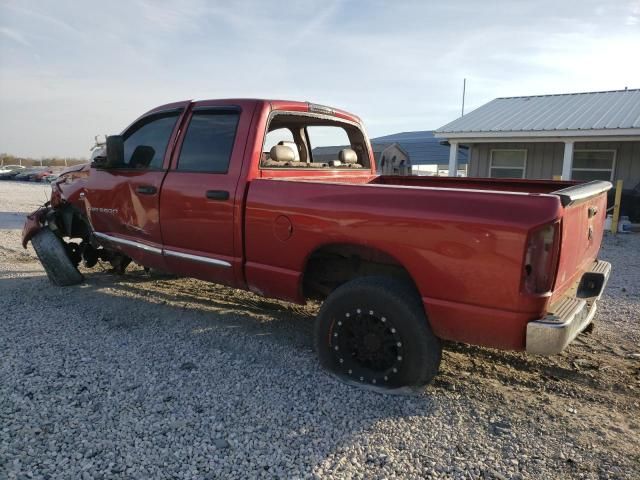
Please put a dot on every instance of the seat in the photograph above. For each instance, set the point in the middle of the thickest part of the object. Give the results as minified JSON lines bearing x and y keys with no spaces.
{"x":280,"y":156}
{"x":293,"y":146}
{"x":349,"y":158}
{"x":142,"y":156}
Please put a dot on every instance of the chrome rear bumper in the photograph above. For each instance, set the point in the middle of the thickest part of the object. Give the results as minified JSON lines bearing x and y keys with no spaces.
{"x":570,"y":315}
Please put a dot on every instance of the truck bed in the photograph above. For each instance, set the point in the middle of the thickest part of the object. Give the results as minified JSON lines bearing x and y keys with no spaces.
{"x":462,"y":240}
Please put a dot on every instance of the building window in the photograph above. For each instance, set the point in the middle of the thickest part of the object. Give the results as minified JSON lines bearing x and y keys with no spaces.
{"x":508,"y":163}
{"x":593,"y":165}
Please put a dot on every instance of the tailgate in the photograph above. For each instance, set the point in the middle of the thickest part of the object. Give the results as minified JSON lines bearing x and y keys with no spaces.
{"x":585,"y":210}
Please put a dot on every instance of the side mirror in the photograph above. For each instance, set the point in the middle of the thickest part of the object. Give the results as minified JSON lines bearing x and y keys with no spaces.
{"x":115,"y":151}
{"x":109,"y":154}
{"x":99,"y":159}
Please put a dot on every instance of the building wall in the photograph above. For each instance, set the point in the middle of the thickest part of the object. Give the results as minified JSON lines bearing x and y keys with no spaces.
{"x":544,"y":159}
{"x":396,"y":162}
{"x":424,"y":169}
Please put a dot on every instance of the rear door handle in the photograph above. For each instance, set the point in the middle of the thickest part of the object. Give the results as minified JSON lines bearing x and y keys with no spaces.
{"x":146,"y":189}
{"x":217,"y":195}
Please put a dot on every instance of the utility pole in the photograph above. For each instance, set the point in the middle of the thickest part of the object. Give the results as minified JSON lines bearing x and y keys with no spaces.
{"x":464,"y":91}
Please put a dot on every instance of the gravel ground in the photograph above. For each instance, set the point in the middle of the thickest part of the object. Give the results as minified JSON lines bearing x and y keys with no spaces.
{"x":148,"y":377}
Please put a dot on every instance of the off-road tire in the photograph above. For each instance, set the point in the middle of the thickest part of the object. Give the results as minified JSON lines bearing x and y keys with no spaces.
{"x":397,"y":306}
{"x":54,"y":259}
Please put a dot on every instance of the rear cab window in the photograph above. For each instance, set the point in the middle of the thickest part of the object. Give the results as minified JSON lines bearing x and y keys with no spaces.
{"x":298,"y":141}
{"x":277,"y":137}
{"x":326,"y":142}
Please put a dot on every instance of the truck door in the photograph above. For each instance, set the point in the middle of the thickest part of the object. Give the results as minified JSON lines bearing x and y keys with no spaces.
{"x":123,"y":202}
{"x":199,"y":206}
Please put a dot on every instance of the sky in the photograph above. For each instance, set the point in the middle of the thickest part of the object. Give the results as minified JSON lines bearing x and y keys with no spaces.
{"x":70,"y":70}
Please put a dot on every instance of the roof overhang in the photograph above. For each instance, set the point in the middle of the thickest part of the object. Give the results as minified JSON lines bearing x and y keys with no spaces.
{"x":601,"y":135}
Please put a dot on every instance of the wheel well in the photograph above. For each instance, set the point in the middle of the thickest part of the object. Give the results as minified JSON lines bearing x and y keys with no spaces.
{"x":333,"y":265}
{"x":67,"y":221}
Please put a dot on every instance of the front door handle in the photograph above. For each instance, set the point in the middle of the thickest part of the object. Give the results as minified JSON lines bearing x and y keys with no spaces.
{"x":146,"y":189}
{"x":217,"y":195}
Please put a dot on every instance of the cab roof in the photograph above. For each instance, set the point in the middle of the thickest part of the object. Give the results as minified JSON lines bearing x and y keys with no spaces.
{"x":272,"y":104}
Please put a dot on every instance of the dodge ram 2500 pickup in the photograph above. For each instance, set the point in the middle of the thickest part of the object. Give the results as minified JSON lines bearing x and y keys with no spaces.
{"x":256,"y":195}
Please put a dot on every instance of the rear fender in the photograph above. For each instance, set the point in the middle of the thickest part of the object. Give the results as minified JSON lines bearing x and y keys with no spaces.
{"x":33,"y":224}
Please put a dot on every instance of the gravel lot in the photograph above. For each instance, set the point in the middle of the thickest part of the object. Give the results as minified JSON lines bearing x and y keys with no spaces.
{"x":148,"y":377}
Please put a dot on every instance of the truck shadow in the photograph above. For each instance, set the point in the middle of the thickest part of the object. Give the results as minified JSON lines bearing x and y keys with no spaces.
{"x":296,"y":320}
{"x":202,"y":298}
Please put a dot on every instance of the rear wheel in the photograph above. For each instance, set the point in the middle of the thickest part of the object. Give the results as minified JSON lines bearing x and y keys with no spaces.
{"x":373,"y":330}
{"x":56,"y":259}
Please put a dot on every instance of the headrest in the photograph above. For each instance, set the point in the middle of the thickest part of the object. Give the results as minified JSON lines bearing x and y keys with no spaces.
{"x":282,"y":153}
{"x":142,"y":156}
{"x":292,"y":146}
{"x":346,"y":155}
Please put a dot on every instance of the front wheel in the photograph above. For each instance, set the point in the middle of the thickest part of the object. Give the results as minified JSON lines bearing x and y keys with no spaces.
{"x":373,"y":330}
{"x":55,"y":258}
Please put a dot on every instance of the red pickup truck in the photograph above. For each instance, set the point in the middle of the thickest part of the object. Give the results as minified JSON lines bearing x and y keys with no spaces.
{"x":282,"y":198}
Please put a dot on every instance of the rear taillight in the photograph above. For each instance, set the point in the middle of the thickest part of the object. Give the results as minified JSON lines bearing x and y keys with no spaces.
{"x":540,"y":259}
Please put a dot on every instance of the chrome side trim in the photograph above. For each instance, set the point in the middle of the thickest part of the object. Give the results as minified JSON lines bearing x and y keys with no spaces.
{"x":130,"y":243}
{"x":197,"y":258}
{"x":159,"y":251}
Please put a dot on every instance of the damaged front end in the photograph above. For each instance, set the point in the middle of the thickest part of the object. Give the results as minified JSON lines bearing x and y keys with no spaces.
{"x":59,"y":212}
{"x":33,"y":224}
{"x":64,"y":215}
{"x":66,"y":222}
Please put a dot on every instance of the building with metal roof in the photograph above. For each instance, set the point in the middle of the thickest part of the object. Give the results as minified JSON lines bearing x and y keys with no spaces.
{"x":583,"y":136}
{"x":422,"y":147}
{"x":389,"y":157}
{"x":418,"y":152}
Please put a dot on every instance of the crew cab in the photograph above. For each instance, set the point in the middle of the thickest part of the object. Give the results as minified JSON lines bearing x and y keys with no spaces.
{"x":282,"y":198}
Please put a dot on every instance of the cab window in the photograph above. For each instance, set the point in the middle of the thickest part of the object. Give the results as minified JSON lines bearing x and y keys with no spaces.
{"x":146,"y":142}
{"x":208,"y":142}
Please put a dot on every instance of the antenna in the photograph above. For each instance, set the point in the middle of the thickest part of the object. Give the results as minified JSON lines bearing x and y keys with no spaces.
{"x":464,"y":91}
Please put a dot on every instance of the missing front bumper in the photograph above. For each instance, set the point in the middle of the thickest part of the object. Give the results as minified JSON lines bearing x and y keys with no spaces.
{"x":569,"y":316}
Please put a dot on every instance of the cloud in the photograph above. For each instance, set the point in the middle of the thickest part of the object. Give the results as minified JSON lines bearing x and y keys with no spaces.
{"x":52,"y":20}
{"x":315,"y":23}
{"x":14,"y":35}
{"x":92,"y":67}
{"x":169,"y":15}
{"x":633,"y":18}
